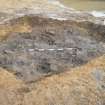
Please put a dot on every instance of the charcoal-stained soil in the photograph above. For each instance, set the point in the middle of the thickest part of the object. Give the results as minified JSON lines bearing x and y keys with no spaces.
{"x":50,"y":47}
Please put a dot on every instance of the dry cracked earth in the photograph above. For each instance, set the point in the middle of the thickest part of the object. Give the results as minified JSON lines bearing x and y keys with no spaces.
{"x":47,"y":61}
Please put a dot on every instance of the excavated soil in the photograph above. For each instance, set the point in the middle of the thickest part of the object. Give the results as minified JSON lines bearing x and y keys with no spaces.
{"x":32,"y":47}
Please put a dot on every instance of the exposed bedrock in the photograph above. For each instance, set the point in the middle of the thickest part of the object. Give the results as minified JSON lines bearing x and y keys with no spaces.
{"x":32,"y":46}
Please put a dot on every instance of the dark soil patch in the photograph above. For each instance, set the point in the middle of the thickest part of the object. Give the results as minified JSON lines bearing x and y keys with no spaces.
{"x":51,"y":47}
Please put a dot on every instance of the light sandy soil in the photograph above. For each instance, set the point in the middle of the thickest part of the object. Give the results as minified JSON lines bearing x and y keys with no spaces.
{"x":12,"y":5}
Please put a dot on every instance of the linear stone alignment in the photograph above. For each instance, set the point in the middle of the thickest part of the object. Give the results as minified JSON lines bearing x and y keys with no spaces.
{"x":52,"y":49}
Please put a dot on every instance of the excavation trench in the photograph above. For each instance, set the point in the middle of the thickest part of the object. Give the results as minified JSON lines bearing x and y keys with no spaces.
{"x":33,"y":47}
